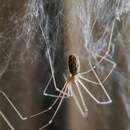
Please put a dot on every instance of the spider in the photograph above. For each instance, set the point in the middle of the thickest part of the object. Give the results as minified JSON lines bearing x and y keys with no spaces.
{"x":67,"y":91}
{"x":74,"y":80}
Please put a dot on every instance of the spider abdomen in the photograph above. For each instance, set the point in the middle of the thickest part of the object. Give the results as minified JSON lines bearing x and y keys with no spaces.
{"x":72,"y":63}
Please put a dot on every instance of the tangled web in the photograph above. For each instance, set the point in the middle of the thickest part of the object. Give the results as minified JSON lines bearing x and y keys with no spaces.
{"x":36,"y":37}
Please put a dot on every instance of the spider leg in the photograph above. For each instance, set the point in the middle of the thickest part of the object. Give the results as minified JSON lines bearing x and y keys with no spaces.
{"x":91,"y":95}
{"x":106,"y":53}
{"x":25,"y":118}
{"x":88,"y":80}
{"x":102,"y":86}
{"x":102,"y":58}
{"x":109,"y":44}
{"x":81,"y":96}
{"x":84,"y":114}
{"x":59,"y":105}
{"x":53,"y":77}
{"x":6,"y":120}
{"x":50,"y":62}
{"x":113,"y":66}
{"x":55,"y":101}
{"x":52,"y":95}
{"x":97,"y":83}
{"x":15,"y":109}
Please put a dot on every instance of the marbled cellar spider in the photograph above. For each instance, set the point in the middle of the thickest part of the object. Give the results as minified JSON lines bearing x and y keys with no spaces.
{"x":67,"y":91}
{"x":74,"y":80}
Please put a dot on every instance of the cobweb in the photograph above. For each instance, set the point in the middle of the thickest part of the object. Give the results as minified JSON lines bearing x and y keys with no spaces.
{"x":34,"y":37}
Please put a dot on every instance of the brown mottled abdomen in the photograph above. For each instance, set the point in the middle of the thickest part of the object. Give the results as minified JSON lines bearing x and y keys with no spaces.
{"x":72,"y":62}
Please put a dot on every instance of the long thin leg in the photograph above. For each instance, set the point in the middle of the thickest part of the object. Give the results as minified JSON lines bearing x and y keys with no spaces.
{"x":113,"y":67}
{"x":97,"y":83}
{"x":109,"y":99}
{"x":91,"y":95}
{"x":106,"y":53}
{"x":61,"y":100}
{"x":50,"y":62}
{"x":110,"y":40}
{"x":16,"y":110}
{"x":88,"y":80}
{"x":25,"y":118}
{"x":84,"y":114}
{"x":48,"y":109}
{"x":109,"y":44}
{"x":81,"y":96}
{"x":6,"y":120}
{"x":51,"y":95}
